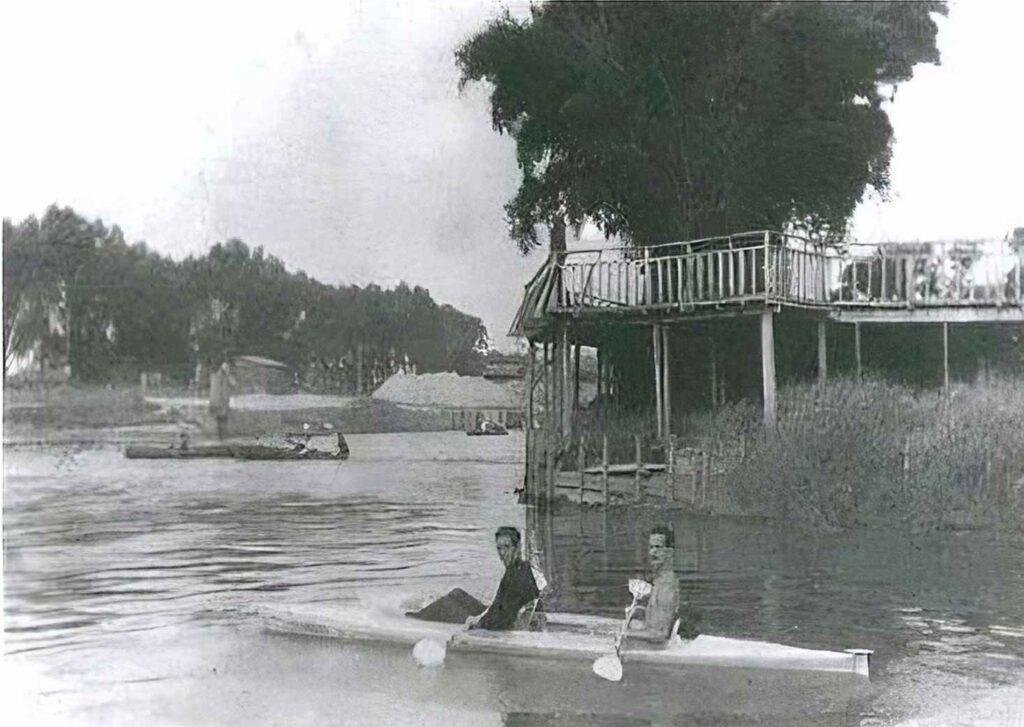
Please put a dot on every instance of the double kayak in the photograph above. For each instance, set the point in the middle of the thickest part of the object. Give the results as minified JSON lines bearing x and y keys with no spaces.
{"x":231,"y":451}
{"x":567,"y":636}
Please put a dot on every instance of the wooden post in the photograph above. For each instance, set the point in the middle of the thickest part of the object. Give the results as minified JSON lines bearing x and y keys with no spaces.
{"x":604,"y":467}
{"x":600,"y":373}
{"x":549,"y":422}
{"x":945,"y":357}
{"x":822,"y":355}
{"x":581,"y":461}
{"x":359,"y":368}
{"x":576,"y":379}
{"x":656,"y":332}
{"x":639,"y":464}
{"x":856,"y":347}
{"x":666,"y":386}
{"x":714,"y":374}
{"x":705,"y":472}
{"x":768,"y":366}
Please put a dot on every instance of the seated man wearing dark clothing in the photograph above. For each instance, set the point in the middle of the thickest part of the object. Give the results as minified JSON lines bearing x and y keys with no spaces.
{"x":517,"y":589}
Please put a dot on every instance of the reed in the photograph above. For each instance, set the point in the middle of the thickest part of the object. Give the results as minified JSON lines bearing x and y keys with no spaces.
{"x":873,"y":452}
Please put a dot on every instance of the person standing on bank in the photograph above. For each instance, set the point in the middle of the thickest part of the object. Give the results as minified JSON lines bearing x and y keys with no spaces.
{"x":662,"y":609}
{"x":221,"y":382}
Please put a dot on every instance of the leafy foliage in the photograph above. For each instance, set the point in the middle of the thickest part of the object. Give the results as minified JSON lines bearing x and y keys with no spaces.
{"x":666,"y":121}
{"x":75,"y":291}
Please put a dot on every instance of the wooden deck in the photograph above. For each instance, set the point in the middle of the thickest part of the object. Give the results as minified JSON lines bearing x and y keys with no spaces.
{"x":746,"y":273}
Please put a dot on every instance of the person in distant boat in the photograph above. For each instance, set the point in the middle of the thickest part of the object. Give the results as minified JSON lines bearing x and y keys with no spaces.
{"x":518,"y":588}
{"x":301,"y":446}
{"x":342,"y":452}
{"x":221,"y":382}
{"x":663,"y":606}
{"x":183,"y":441}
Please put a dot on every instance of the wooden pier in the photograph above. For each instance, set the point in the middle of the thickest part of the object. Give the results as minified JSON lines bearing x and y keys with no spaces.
{"x":587,"y":298}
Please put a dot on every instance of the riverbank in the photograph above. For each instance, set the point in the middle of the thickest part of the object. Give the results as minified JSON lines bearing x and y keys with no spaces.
{"x":92,"y":415}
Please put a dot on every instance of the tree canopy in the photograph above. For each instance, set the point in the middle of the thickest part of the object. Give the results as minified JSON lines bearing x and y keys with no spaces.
{"x":76,"y":293}
{"x":666,"y":121}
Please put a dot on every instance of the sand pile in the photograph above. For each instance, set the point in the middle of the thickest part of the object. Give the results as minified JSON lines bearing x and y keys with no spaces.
{"x":447,"y":390}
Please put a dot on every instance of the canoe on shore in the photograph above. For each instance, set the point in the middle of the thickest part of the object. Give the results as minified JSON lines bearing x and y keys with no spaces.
{"x":567,"y":637}
{"x":229,"y":451}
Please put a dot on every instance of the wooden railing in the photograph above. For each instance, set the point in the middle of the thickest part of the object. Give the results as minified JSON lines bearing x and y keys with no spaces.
{"x":772,"y":267}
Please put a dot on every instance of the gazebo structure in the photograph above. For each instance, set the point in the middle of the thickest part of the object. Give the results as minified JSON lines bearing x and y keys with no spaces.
{"x":653,"y":312}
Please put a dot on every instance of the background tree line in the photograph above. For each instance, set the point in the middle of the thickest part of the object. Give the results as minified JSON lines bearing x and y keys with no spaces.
{"x":77,"y":294}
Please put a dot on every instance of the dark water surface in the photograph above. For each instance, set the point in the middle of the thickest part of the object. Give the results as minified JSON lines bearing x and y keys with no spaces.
{"x":127,"y":587}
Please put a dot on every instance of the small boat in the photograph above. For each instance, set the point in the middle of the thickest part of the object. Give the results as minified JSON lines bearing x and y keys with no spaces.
{"x":567,"y":636}
{"x":487,"y":428}
{"x":231,"y":451}
{"x":136,"y":451}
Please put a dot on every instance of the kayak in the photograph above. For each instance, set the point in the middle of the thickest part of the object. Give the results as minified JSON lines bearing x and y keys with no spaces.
{"x":568,"y":636}
{"x":233,"y":451}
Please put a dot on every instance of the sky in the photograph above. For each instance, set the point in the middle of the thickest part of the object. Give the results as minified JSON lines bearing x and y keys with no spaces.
{"x":334,"y":135}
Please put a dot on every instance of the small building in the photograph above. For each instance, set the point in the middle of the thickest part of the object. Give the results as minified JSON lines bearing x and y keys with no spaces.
{"x":259,"y":375}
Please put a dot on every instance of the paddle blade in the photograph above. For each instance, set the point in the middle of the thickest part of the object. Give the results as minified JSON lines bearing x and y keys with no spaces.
{"x":609,"y":667}
{"x":429,"y":652}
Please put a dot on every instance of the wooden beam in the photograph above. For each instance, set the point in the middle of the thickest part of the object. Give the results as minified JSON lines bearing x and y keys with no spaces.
{"x":945,"y":358}
{"x":934,"y":314}
{"x":549,"y":421}
{"x":575,"y":379}
{"x":566,"y":383}
{"x":768,"y":366}
{"x":822,"y":354}
{"x":856,"y":347}
{"x":667,"y":384}
{"x":656,"y":333}
{"x":714,"y":372}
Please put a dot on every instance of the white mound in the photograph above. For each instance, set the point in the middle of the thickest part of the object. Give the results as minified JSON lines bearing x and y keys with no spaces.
{"x":447,"y":390}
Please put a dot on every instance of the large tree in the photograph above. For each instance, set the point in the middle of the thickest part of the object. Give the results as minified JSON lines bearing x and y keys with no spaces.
{"x":662,"y":121}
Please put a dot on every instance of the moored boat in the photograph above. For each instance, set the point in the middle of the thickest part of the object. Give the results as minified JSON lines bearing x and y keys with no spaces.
{"x":231,"y":451}
{"x":487,"y":428}
{"x":566,"y":637}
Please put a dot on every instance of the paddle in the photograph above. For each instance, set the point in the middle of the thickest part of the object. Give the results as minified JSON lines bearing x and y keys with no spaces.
{"x":609,"y":666}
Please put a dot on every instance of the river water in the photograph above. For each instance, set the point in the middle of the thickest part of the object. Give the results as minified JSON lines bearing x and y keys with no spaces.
{"x":129,"y":587}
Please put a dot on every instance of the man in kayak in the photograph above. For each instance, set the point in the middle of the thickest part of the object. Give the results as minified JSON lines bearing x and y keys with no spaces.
{"x":518,"y":588}
{"x":663,"y":606}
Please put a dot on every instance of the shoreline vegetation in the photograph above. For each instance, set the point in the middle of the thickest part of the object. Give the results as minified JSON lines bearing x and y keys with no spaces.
{"x":855,"y":453}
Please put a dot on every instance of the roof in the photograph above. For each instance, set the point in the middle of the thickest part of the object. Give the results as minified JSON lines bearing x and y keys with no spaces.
{"x":260,"y":361}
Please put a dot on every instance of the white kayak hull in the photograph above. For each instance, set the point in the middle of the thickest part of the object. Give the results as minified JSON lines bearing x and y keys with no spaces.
{"x":568,"y":636}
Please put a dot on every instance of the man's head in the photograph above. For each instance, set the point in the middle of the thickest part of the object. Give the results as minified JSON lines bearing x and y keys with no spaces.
{"x":506,"y":540}
{"x":661,"y":545}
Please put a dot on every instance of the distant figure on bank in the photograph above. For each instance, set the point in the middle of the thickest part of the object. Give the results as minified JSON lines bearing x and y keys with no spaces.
{"x":221,"y":382}
{"x":662,"y":608}
{"x":518,"y":588}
